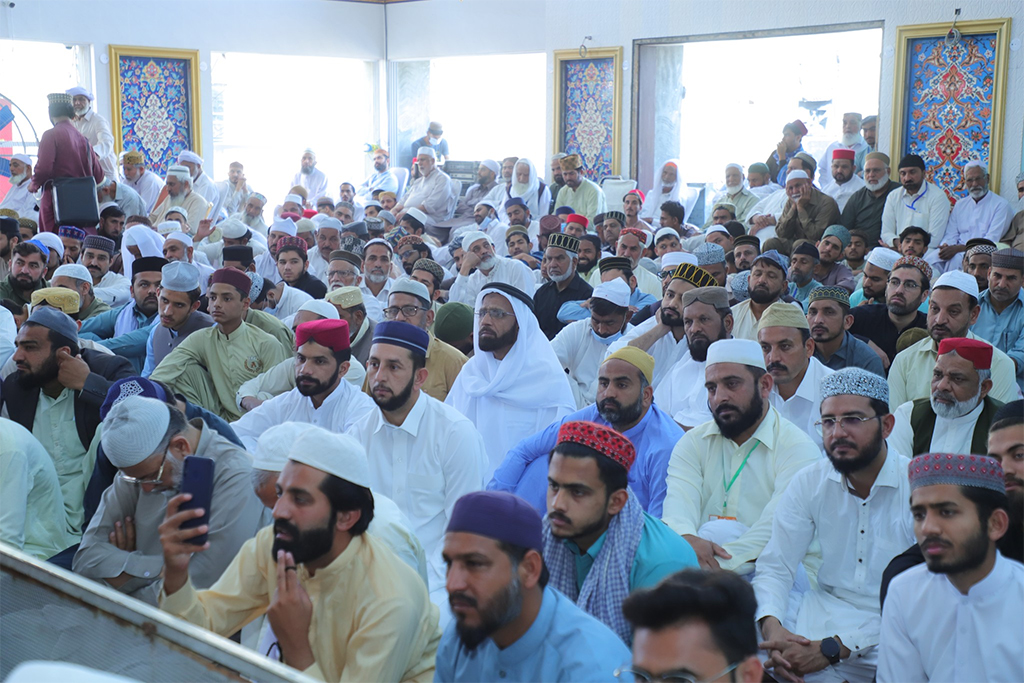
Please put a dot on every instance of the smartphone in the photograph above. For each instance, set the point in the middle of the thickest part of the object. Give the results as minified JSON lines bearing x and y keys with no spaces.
{"x":197,"y":479}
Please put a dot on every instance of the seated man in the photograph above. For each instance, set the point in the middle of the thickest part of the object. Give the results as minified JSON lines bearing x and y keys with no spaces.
{"x":935,"y":616}
{"x":124,"y":330}
{"x":56,"y":394}
{"x":831,"y":248}
{"x":593,"y":517}
{"x":807,"y":212}
{"x":348,"y":302}
{"x":956,"y":416}
{"x":178,"y":304}
{"x":564,"y":283}
{"x":711,"y":257}
{"x":853,"y":507}
{"x":828,"y":315}
{"x":178,"y":246}
{"x":583,"y":194}
{"x":1001,"y":319}
{"x":802,"y":263}
{"x":33,"y":520}
{"x":917,"y":203}
{"x":981,"y":213}
{"x":293,"y":267}
{"x":767,"y":284}
{"x":624,"y":403}
{"x":914,"y":241}
{"x":179,"y":192}
{"x":75,"y":276}
{"x":28,"y":272}
{"x":98,"y":256}
{"x":210,"y":365}
{"x":508,"y":622}
{"x":748,"y":438}
{"x":631,"y":245}
{"x":431,"y":193}
{"x":148,"y":440}
{"x":321,"y":397}
{"x":694,"y":625}
{"x":481,"y":266}
{"x":608,"y":269}
{"x":1006,"y":444}
{"x":907,"y":287}
{"x":323,"y":509}
{"x":877,"y":266}
{"x":863,"y":210}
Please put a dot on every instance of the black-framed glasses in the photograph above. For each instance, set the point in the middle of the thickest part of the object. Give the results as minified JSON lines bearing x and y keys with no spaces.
{"x":908,"y":285}
{"x":159,"y":479}
{"x":682,"y":676}
{"x":847,"y":422}
{"x":408,"y":311}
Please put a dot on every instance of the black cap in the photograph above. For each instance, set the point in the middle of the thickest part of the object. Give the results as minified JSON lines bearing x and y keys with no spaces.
{"x":9,"y":227}
{"x":148,"y":264}
{"x":911,"y":161}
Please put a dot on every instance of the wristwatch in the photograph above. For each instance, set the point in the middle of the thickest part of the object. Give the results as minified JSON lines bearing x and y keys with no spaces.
{"x":830,"y":648}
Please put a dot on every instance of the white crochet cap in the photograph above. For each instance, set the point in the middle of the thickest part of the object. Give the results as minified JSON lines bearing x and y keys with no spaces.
{"x":337,"y":454}
{"x":322,"y":308}
{"x":133,"y":429}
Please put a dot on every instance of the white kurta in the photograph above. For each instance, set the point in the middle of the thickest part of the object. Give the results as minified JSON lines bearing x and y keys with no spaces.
{"x":281,"y":378}
{"x":860,"y":148}
{"x":315,"y":183}
{"x":290,"y":302}
{"x":646,"y":281}
{"x":988,"y":217}
{"x":932,"y":632}
{"x":148,"y":186}
{"x":433,"y":193}
{"x":114,"y":289}
{"x":96,"y":130}
{"x":744,"y":324}
{"x":842,"y":193}
{"x":771,"y":205}
{"x":425,"y":465}
{"x":666,"y":351}
{"x":21,"y":201}
{"x":682,"y":395}
{"x":232,"y":200}
{"x":266,"y":266}
{"x":853,"y":539}
{"x":580,"y":352}
{"x":510,"y":271}
{"x":804,"y":407}
{"x":375,"y":303}
{"x":949,"y":436}
{"x":929,"y":209}
{"x":342,"y":408}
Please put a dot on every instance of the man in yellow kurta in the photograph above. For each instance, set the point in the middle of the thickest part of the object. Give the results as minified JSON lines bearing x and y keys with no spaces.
{"x":341,"y":605}
{"x":210,"y":366}
{"x":584,"y":195}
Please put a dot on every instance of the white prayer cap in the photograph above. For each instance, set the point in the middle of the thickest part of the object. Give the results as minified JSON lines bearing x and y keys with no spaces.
{"x":976,"y":162}
{"x":23,"y":158}
{"x":75,"y":271}
{"x":232,"y":228}
{"x":322,"y":308}
{"x":372,"y":202}
{"x":180,"y":236}
{"x":958,"y":279}
{"x":475,"y":236}
{"x":797,"y":175}
{"x":78,"y":90}
{"x":179,"y":210}
{"x":559,"y":155}
{"x":407,"y":285}
{"x":273,"y":445}
{"x":717,"y":228}
{"x":106,"y":205}
{"x":167,"y":227}
{"x":742,"y":351}
{"x":418,"y":215}
{"x":665,"y":232}
{"x":189,"y":156}
{"x":677,"y":258}
{"x":614,"y":291}
{"x":491,"y":165}
{"x":304,"y":225}
{"x":337,"y":454}
{"x":883,"y":257}
{"x":318,"y":219}
{"x":734,"y":165}
{"x":487,"y":202}
{"x":134,"y":429}
{"x":285,"y":225}
{"x":309,"y":150}
{"x":52,"y":242}
{"x":179,"y":276}
{"x":179,"y":172}
{"x":294,"y":198}
{"x":378,"y":240}
{"x":330,"y":222}
{"x":429,"y":151}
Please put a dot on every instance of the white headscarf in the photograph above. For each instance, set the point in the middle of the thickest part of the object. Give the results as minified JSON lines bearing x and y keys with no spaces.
{"x":656,"y":197}
{"x":528,"y":192}
{"x":148,"y":240}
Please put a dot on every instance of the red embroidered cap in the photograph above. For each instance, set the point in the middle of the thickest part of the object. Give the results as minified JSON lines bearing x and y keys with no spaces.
{"x":604,"y":440}
{"x":931,"y":469}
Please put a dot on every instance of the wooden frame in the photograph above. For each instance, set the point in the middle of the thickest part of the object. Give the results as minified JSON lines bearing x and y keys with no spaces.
{"x":563,"y":57}
{"x":119,"y":52}
{"x":901,"y":90}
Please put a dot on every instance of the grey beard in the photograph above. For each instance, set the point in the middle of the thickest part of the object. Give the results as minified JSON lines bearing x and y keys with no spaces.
{"x":874,"y":187}
{"x":957,"y":409}
{"x":979,"y":192}
{"x":376,"y":278}
{"x":489,"y":263}
{"x":306,"y":171}
{"x":560,"y":278}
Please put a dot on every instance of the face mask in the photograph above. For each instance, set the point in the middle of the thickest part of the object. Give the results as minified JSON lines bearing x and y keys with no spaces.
{"x":486,"y":223}
{"x":606,"y":340}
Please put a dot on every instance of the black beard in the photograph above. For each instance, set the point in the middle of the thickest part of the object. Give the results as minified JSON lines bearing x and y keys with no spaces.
{"x":699,"y":346}
{"x":499,"y":342}
{"x":905,"y":309}
{"x":36,"y":380}
{"x":501,"y":610}
{"x":396,"y":401}
{"x":761,"y":296}
{"x":975,"y":550}
{"x":599,"y":524}
{"x":865,"y":455}
{"x":317,"y":387}
{"x":585,"y":265}
{"x":24,"y":283}
{"x":674,"y":320}
{"x":614,"y":413}
{"x":305,"y":546}
{"x":747,"y":419}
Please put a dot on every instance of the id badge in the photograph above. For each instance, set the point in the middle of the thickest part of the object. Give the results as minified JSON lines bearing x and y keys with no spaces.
{"x":714,"y":518}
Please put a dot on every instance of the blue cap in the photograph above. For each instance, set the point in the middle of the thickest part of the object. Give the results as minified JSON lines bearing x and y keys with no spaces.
{"x":41,"y":247}
{"x":564,"y":210}
{"x":775,"y":258}
{"x":402,"y":334}
{"x":515,"y":201}
{"x":500,"y":516}
{"x":56,"y":320}
{"x":128,"y":387}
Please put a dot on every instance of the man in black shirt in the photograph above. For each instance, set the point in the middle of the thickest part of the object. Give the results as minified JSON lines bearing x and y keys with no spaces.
{"x":863,"y":211}
{"x":560,"y":262}
{"x":883,"y":324}
{"x":293,"y":267}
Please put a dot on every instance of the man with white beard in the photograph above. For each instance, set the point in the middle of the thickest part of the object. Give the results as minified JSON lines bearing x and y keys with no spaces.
{"x":95,"y":128}
{"x":845,"y":180}
{"x":561,"y":258}
{"x":957,"y":415}
{"x":982,"y":214}
{"x":668,"y":187}
{"x":127,"y":199}
{"x":481,"y":266}
{"x":736,"y":193}
{"x":180,"y":194}
{"x":18,"y":198}
{"x":863,"y":210}
{"x":852,"y":139}
{"x":201,"y":182}
{"x":234,"y":190}
{"x":310,"y":177}
{"x":146,"y":183}
{"x":251,"y":213}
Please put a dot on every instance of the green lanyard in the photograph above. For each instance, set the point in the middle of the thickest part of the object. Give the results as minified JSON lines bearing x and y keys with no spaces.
{"x":728,"y":487}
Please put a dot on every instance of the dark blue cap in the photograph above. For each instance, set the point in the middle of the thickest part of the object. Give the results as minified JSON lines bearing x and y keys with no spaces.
{"x":402,"y":334}
{"x":128,"y":387}
{"x":498,"y":515}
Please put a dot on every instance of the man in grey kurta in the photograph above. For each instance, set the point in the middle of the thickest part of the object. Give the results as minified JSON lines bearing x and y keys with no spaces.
{"x":127,"y":553}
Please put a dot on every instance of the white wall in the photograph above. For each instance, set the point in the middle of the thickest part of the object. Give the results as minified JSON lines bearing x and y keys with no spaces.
{"x":296,"y":27}
{"x":496,"y":26}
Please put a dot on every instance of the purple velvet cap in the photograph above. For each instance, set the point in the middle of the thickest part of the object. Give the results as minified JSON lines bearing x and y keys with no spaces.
{"x":498,"y":515}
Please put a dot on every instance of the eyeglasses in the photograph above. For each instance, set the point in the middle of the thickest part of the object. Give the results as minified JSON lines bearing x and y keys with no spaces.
{"x":847,"y":422}
{"x":665,"y":273}
{"x":408,"y":311}
{"x":495,"y":313}
{"x":159,"y":479}
{"x":908,"y":285}
{"x":641,"y":676}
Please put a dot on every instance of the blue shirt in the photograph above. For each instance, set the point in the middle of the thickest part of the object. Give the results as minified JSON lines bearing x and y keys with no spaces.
{"x":801,"y":293}
{"x":661,"y":552}
{"x":1005,"y":330}
{"x":564,"y":644}
{"x":571,"y":311}
{"x":524,"y":471}
{"x":131,"y":345}
{"x":853,"y":354}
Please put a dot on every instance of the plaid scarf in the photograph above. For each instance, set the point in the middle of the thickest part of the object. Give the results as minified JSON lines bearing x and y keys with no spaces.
{"x":607,"y":582}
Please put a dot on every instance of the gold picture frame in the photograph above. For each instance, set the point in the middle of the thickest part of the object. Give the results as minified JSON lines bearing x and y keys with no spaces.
{"x":164,"y":72}
{"x":905,"y":38}
{"x":577,"y":59}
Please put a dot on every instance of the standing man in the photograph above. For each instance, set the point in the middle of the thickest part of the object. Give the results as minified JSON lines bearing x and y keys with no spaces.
{"x":145,"y":183}
{"x":980,"y":214}
{"x":310,"y":177}
{"x":178,"y":306}
{"x":564,"y":283}
{"x":95,"y":128}
{"x":584,"y":195}
{"x":382,"y":179}
{"x":863,"y":210}
{"x":63,"y":153}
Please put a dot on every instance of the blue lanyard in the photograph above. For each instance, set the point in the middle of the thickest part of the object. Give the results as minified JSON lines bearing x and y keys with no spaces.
{"x":912,"y":204}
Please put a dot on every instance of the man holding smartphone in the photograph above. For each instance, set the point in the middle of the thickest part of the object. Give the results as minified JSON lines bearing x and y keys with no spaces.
{"x":148,"y":440}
